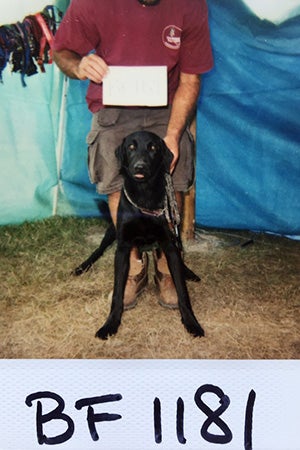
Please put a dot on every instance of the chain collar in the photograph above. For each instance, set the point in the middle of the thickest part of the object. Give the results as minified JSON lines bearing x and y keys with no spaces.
{"x":149,"y":212}
{"x":170,"y":209}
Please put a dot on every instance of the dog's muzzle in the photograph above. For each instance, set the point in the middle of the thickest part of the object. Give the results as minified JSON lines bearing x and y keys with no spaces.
{"x":140,"y":171}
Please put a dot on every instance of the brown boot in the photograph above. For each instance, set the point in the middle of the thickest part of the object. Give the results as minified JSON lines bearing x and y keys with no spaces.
{"x":136,"y":282}
{"x":163,"y":280}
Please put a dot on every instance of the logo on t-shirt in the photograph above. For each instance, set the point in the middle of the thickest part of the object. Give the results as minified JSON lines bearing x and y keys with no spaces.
{"x":171,"y":37}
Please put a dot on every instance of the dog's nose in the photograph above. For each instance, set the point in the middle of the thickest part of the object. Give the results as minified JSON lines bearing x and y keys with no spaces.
{"x":140,"y":169}
{"x":139,"y":166}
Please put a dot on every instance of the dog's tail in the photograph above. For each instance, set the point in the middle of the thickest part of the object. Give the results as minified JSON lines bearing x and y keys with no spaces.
{"x":189,"y":274}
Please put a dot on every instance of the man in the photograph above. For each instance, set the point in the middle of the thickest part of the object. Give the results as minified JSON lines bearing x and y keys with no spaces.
{"x":96,"y":34}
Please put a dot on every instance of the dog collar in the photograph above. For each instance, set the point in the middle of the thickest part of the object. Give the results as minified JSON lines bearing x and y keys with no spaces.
{"x":170,"y":209}
{"x":149,"y":212}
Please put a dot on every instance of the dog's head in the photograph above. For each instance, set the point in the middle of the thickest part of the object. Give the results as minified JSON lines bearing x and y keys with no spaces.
{"x":144,"y":154}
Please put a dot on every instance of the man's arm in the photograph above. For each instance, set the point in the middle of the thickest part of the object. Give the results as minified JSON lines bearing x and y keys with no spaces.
{"x":183,"y":108}
{"x":90,"y":67}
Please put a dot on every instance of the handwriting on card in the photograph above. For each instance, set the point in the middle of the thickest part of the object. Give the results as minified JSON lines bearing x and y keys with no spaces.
{"x":224,"y":436}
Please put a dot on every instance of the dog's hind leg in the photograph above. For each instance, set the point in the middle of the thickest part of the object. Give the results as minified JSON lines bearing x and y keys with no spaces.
{"x":108,"y":239}
{"x":177,"y":270}
{"x":121,"y":274}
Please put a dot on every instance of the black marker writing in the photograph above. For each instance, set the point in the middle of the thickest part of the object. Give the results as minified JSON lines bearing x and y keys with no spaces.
{"x":249,"y":420}
{"x":213,"y":416}
{"x":179,"y":421}
{"x":56,"y":414}
{"x":157,"y":421}
{"x":92,"y":418}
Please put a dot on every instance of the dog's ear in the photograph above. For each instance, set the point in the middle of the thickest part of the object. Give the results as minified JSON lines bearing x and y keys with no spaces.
{"x":167,"y":156}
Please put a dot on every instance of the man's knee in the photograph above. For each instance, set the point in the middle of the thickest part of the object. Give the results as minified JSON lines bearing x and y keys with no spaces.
{"x":113,"y":203}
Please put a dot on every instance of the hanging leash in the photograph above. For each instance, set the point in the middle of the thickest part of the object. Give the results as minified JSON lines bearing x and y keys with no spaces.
{"x":171,"y":208}
{"x":47,"y":38}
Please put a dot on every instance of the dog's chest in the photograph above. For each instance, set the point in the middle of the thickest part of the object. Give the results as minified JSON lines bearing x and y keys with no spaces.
{"x":144,"y":230}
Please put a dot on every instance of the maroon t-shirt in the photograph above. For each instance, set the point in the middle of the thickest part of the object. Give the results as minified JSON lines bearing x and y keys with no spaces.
{"x":173,"y":33}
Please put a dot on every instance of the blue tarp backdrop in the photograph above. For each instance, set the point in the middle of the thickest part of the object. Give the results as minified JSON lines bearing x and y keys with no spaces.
{"x":248,"y":139}
{"x":248,"y":158}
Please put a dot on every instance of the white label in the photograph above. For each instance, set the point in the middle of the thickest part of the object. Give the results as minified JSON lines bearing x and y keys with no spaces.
{"x":136,"y":86}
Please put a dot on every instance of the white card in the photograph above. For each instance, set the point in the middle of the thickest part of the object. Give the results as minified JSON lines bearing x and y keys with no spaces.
{"x":149,"y":404}
{"x":136,"y":86}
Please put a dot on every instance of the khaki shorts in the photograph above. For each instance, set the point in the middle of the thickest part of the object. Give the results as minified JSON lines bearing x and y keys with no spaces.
{"x":111,"y":125}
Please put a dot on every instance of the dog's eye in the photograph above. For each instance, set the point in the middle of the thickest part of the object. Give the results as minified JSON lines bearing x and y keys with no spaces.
{"x":153,"y":147}
{"x":132,"y":147}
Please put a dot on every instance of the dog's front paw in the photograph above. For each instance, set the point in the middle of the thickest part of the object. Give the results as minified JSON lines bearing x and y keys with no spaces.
{"x":196,"y":330}
{"x":107,"y":330}
{"x":193,"y":327}
{"x":103,"y":333}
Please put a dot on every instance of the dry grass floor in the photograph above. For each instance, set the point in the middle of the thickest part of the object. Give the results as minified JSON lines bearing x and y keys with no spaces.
{"x":248,"y":301}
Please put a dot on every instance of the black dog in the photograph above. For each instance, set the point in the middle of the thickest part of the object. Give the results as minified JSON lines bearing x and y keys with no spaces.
{"x":143,"y":220}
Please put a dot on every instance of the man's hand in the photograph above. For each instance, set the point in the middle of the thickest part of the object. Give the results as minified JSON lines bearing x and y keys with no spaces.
{"x":183,"y":107}
{"x":92,"y":67}
{"x":173,"y":145}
